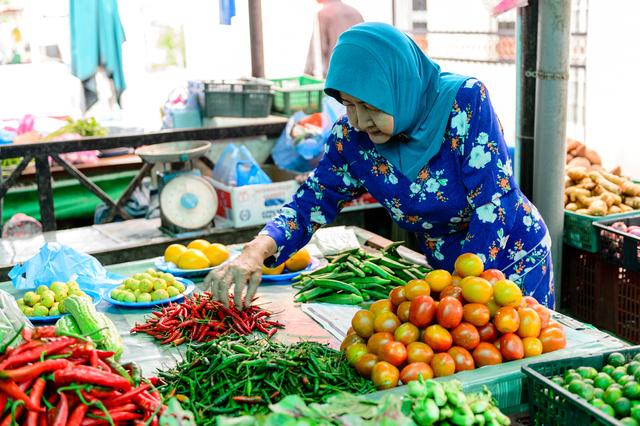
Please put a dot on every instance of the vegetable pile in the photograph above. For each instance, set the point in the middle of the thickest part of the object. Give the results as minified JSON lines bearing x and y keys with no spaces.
{"x":427,"y":403}
{"x":614,"y":390}
{"x":599,"y":193}
{"x":63,"y":380}
{"x":48,"y":300}
{"x":148,"y":286}
{"x":445,"y":324}
{"x":236,"y":375}
{"x":578,"y":155}
{"x":355,"y":276}
{"x":199,"y":318}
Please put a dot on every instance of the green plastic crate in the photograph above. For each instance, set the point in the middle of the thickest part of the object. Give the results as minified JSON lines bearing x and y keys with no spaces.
{"x":550,"y":404}
{"x":297,"y":94}
{"x":237,"y":98}
{"x":580,"y":233}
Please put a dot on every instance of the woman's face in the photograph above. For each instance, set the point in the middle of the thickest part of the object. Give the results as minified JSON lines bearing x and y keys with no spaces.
{"x":364,"y":117}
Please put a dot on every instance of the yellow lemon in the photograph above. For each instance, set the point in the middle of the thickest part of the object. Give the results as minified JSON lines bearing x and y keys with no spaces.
{"x":192,"y":259}
{"x":198,"y":244}
{"x":216,"y":253}
{"x":298,"y":261}
{"x":277,"y":270}
{"x":173,"y":252}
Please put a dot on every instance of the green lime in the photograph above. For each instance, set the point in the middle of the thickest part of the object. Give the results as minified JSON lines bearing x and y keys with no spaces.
{"x":61,"y":308}
{"x":635,"y":403}
{"x":172,"y":291}
{"x":151,"y":272}
{"x":58,"y":286}
{"x":611,"y":395}
{"x":115,"y":294}
{"x":607,"y":409}
{"x":576,"y":387}
{"x":602,"y":381}
{"x":160,"y":294}
{"x":635,"y":411}
{"x":598,"y":393}
{"x":72,"y":285}
{"x":636,"y":376}
{"x":179,"y":286}
{"x":558,"y":380}
{"x":632,"y":367}
{"x":587,"y":372}
{"x":128,"y":296}
{"x":625,"y":379}
{"x":27,"y":310}
{"x":48,"y":299}
{"x":31,"y":298}
{"x":143,"y":297}
{"x":608,"y":369}
{"x":636,"y":357}
{"x":20,"y":302}
{"x":618,"y":373}
{"x":55,"y":310}
{"x":588,"y":382}
{"x":628,"y":421}
{"x":631,"y":390}
{"x":130,"y":283}
{"x":622,"y":407}
{"x":159,"y":284}
{"x":40,"y":311}
{"x":597,"y":402}
{"x":145,"y":286}
{"x":570,"y":377}
{"x":616,"y":359}
{"x":41,"y":289}
{"x":587,"y":392}
{"x":60,"y":295}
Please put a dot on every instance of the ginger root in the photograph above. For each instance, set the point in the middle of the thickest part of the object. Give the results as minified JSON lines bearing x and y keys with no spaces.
{"x":577,"y":173}
{"x":597,"y":208}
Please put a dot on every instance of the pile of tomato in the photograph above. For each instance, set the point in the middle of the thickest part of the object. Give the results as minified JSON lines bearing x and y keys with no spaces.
{"x":445,"y":323}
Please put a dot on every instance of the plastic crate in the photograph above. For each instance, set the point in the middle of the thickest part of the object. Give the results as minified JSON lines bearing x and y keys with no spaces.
{"x":580,"y":233}
{"x":297,"y":94}
{"x":550,"y":404}
{"x":237,"y":98}
{"x":617,"y":247}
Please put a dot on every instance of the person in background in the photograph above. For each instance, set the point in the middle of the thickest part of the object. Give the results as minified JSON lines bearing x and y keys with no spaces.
{"x":333,"y":19}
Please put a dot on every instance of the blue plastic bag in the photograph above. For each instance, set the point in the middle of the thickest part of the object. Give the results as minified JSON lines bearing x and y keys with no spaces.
{"x":55,"y":262}
{"x":236,"y":167}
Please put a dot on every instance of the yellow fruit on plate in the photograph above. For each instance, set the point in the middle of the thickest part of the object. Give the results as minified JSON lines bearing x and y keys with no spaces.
{"x":298,"y":261}
{"x":192,"y":259}
{"x":273,"y":271}
{"x":198,"y":244}
{"x":216,"y":253}
{"x":173,"y":252}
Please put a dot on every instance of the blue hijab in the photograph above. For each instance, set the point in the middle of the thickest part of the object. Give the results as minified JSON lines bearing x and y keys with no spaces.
{"x":383,"y":67}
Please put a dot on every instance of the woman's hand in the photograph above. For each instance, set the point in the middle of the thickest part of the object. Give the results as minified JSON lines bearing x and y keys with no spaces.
{"x":243,"y":271}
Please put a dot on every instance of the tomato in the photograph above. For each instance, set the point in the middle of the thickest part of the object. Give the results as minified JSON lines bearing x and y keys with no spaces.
{"x":355,"y":351}
{"x":438,"y":338}
{"x":462,"y":358}
{"x":511,"y":347}
{"x":488,"y":332}
{"x":386,"y":321}
{"x":443,"y":365}
{"x":438,"y":279}
{"x":528,"y":301}
{"x":449,"y":312}
{"x":468,"y":264}
{"x":452,"y":291}
{"x":476,"y":289}
{"x":362,"y":323}
{"x":365,"y":364}
{"x":415,"y":369}
{"x":351,"y":331}
{"x":486,"y":354}
{"x":378,"y":340}
{"x":476,"y":314}
{"x":507,"y":293}
{"x":507,"y":320}
{"x":497,"y":344}
{"x":493,"y":307}
{"x":532,"y":346}
{"x":385,"y":375}
{"x":403,"y":311}
{"x":544,"y":314}
{"x":415,"y":288}
{"x":530,"y":324}
{"x":466,"y":336}
{"x":394,"y":353}
{"x":554,"y":324}
{"x":350,"y":340}
{"x":552,"y":339}
{"x":397,"y":295}
{"x":419,"y":352}
{"x":422,"y":311}
{"x":406,"y":333}
{"x":492,"y":275}
{"x":380,"y":306}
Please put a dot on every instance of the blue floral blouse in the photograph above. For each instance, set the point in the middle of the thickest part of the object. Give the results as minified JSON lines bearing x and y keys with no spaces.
{"x":463,"y":200}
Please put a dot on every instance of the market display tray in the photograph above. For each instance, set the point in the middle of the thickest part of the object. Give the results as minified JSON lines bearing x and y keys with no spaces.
{"x":288,"y":276}
{"x":189,"y":288}
{"x":164,"y":266}
{"x":95,"y":298}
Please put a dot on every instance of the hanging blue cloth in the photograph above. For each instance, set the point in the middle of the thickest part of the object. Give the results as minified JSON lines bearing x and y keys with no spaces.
{"x":227,"y":11}
{"x":96,"y":40}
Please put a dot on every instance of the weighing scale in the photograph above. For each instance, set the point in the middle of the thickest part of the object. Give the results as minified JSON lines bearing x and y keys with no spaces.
{"x":188,"y":201}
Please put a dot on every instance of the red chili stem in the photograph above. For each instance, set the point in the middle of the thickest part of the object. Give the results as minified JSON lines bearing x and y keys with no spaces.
{"x":63,"y":411}
{"x":12,"y":390}
{"x":90,"y":375}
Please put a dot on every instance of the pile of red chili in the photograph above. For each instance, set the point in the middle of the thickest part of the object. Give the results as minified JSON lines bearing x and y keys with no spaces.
{"x":199,"y":318}
{"x":63,"y":380}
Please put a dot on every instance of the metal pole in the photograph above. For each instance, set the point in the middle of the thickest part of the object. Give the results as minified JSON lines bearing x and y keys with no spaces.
{"x":393,"y":12}
{"x":526,"y":57}
{"x":551,"y":120}
{"x":255,"y":31}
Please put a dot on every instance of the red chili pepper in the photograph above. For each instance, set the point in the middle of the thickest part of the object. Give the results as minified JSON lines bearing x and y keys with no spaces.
{"x":90,"y":375}
{"x":126,"y":408}
{"x":125,"y":397}
{"x":78,"y":414}
{"x":45,"y":331}
{"x":146,"y":402}
{"x":34,"y":354}
{"x":272,"y":332}
{"x":104,"y":394}
{"x":3,"y":402}
{"x":27,"y":334}
{"x":17,"y":414}
{"x":34,"y":370}
{"x":63,"y":411}
{"x":274,"y":395}
{"x":115,"y":417}
{"x":35,"y":397}
{"x":12,"y":390}
{"x":42,"y":419}
{"x":248,"y":399}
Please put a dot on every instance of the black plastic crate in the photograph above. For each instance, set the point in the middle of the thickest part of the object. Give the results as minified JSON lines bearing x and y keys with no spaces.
{"x":617,"y":246}
{"x":248,"y":97}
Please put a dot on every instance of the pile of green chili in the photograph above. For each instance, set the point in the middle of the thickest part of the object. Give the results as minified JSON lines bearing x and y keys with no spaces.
{"x":243,"y":374}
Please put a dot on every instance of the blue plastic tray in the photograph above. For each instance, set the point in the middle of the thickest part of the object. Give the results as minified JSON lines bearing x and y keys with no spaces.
{"x":288,"y":276}
{"x":189,"y":287}
{"x":95,"y":297}
{"x":171,"y":268}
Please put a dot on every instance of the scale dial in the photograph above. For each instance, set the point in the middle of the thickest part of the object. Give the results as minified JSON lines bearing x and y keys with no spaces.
{"x":188,"y":202}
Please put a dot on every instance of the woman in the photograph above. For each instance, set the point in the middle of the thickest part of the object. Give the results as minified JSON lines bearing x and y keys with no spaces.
{"x":429,"y":147}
